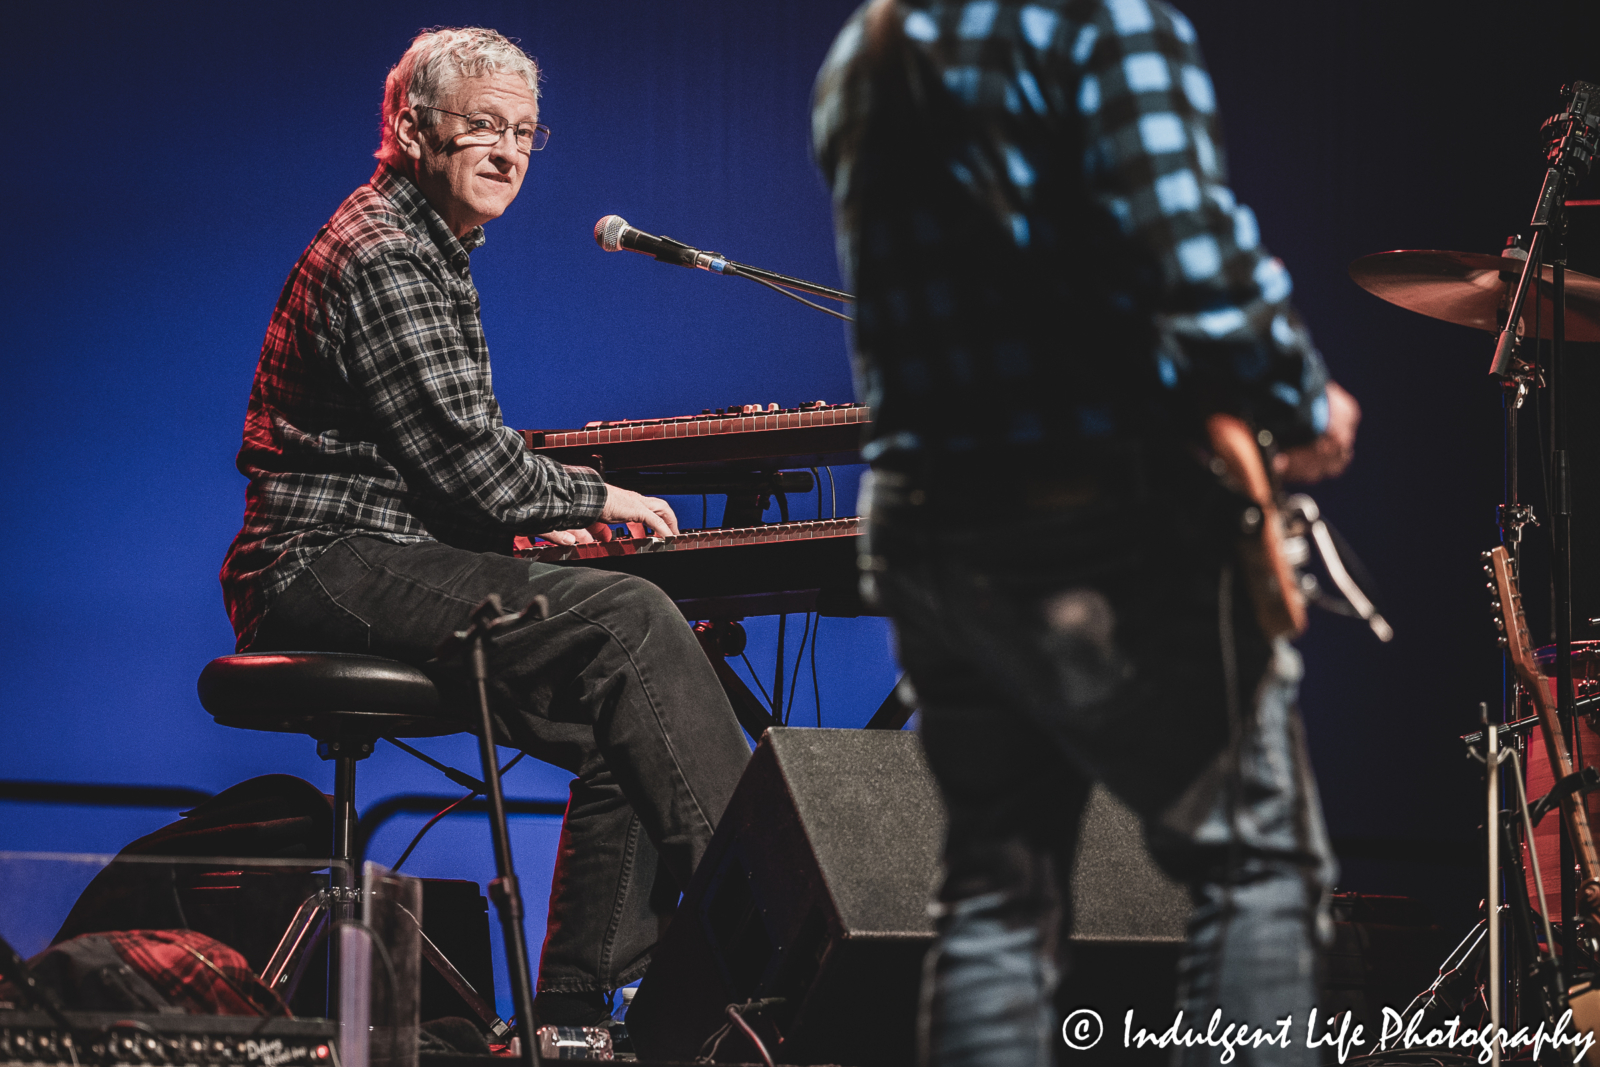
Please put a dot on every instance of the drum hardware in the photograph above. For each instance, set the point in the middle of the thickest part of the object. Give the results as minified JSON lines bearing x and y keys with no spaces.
{"x":1566,"y":791}
{"x":1504,"y":859}
{"x":1493,"y":293}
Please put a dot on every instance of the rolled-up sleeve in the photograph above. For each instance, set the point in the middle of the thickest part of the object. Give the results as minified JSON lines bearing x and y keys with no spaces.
{"x":429,"y":397}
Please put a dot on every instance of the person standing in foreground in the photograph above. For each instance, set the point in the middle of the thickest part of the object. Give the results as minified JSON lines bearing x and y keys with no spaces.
{"x":1056,"y":288}
{"x":385,"y":492}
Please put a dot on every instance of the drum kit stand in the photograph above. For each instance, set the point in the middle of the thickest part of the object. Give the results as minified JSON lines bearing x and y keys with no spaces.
{"x":1525,"y":297}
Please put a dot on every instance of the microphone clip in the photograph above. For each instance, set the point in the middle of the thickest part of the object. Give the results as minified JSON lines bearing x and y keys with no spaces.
{"x":671,"y":251}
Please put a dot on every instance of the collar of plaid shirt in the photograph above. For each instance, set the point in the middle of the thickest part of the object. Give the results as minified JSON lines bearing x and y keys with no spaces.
{"x":403,"y":193}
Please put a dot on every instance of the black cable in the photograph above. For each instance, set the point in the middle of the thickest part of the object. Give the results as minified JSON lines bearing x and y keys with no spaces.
{"x":816,"y":693}
{"x":1543,"y":368}
{"x":816,"y":480}
{"x":708,"y":1048}
{"x":833,"y":492}
{"x":751,"y":668}
{"x":431,"y":823}
{"x":461,"y":778}
{"x":777,"y":672}
{"x":775,"y":287}
{"x":794,"y":675}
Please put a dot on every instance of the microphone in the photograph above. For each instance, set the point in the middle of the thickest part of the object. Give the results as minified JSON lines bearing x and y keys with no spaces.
{"x":613,"y":233}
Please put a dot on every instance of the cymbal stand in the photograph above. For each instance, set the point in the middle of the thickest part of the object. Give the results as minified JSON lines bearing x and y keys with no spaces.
{"x":1513,"y":516}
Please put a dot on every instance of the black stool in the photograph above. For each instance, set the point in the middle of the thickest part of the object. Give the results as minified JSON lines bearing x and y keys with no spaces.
{"x":346,"y":702}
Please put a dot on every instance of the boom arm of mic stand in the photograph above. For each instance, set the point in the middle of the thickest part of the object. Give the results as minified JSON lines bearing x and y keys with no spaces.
{"x":723,"y":267}
{"x":682,"y":255}
{"x":1570,"y":154}
{"x":1549,"y":196}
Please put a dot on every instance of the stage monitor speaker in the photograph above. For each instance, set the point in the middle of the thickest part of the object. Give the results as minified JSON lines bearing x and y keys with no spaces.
{"x":814,"y":893}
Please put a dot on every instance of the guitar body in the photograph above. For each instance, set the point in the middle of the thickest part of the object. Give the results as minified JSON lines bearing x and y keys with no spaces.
{"x":1280,"y":606}
{"x":1546,"y":841}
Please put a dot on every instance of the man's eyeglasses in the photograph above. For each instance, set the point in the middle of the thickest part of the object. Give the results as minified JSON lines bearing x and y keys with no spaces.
{"x":488,"y":129}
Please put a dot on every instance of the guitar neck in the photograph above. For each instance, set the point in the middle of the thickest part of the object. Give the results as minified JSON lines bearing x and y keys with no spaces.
{"x":1525,"y":665}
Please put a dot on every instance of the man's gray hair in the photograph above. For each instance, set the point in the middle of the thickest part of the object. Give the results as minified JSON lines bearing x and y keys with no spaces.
{"x":436,"y":60}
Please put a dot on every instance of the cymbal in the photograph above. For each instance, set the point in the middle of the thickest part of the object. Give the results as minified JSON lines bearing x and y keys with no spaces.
{"x":1469,"y":289}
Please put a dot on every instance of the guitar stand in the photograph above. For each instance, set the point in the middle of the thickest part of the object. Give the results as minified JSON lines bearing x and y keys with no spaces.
{"x":1583,"y":781}
{"x":1541,"y":970}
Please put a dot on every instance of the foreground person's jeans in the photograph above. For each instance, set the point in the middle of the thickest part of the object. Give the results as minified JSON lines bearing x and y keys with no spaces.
{"x":1089,"y":643}
{"x":612,"y":687}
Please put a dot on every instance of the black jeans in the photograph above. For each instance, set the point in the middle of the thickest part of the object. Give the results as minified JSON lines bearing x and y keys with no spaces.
{"x":612,"y":687}
{"x":1104,"y":640}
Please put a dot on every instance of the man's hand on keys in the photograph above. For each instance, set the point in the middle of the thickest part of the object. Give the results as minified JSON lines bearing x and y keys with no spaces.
{"x":643,"y":514}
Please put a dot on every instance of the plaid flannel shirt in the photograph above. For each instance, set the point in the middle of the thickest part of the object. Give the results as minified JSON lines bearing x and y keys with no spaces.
{"x":373,"y":412}
{"x":1032,"y":205}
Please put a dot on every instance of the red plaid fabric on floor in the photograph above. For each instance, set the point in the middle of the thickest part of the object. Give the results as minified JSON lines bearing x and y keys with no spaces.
{"x":197,"y":973}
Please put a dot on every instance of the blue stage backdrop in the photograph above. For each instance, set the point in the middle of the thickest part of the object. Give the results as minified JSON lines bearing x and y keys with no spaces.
{"x":170,"y":161}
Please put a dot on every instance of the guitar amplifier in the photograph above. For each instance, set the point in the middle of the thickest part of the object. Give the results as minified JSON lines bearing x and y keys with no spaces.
{"x":107,"y":1039}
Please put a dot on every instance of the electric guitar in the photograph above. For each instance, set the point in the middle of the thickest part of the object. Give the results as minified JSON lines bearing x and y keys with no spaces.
{"x":1274,"y":587}
{"x":1513,"y":625}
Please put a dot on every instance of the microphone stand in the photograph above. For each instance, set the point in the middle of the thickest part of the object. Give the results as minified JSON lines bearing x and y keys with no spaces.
{"x":687,"y":256}
{"x":505,"y":890}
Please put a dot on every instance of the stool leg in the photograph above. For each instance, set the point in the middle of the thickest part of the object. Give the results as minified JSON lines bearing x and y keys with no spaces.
{"x":344,"y":820}
{"x":343,"y":887}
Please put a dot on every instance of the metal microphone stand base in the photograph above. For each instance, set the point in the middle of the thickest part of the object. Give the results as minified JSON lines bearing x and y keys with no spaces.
{"x":505,"y":891}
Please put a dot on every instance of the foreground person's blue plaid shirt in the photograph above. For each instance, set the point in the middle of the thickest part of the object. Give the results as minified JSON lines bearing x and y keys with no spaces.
{"x":373,"y":412}
{"x":1033,"y":208}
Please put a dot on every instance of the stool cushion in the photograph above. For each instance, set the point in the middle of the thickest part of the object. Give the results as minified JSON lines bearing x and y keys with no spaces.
{"x":331,"y":696}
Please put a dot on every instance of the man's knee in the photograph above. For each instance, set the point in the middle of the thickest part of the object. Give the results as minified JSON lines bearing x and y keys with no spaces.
{"x":631,"y":609}
{"x":596,"y":592}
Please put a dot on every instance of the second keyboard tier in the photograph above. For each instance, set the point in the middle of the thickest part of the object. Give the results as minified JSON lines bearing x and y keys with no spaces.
{"x":730,"y":573}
